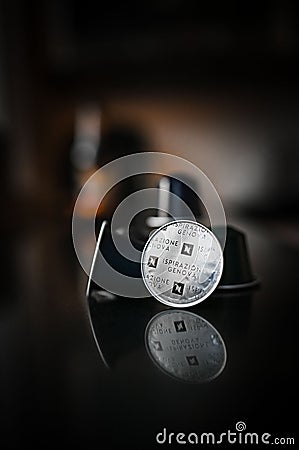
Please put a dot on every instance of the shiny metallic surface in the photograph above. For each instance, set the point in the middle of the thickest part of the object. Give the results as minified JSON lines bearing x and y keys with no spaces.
{"x":185,"y":346}
{"x":182,"y":263}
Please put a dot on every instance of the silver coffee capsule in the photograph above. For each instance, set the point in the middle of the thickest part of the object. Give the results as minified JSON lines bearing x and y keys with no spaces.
{"x":182,"y":263}
{"x":185,"y":346}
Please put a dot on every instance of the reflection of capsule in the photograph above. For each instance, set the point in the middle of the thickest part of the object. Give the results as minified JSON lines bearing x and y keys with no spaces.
{"x":185,"y":346}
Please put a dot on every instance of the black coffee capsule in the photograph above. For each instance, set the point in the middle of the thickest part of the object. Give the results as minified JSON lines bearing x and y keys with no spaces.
{"x":237,"y":272}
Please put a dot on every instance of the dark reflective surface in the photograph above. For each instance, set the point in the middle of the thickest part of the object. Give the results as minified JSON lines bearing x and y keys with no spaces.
{"x":182,"y":344}
{"x":57,"y":389}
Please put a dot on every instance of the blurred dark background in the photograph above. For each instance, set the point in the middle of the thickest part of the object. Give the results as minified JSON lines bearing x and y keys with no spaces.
{"x":81,"y":83}
{"x":215,"y":84}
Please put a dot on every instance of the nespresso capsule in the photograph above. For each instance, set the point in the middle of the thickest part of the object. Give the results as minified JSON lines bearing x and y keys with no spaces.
{"x":182,"y":263}
{"x":237,"y":272}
